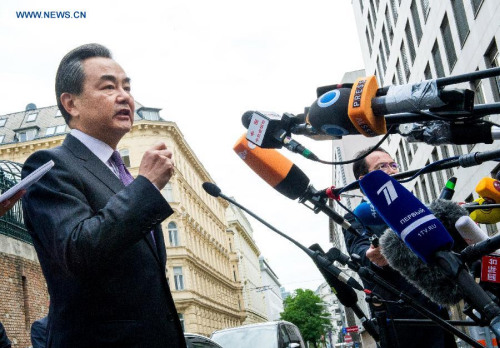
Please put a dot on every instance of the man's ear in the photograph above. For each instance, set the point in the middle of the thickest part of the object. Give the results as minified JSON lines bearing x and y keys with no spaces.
{"x":68,"y":103}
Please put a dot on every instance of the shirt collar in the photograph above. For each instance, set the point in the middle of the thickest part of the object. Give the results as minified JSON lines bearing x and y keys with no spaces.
{"x":99,"y":148}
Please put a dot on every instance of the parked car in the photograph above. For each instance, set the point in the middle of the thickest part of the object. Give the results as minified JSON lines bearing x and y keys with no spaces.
{"x":271,"y":334}
{"x":199,"y":341}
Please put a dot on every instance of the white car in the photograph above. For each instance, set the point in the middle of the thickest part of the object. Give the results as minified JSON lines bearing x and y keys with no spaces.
{"x":271,"y":334}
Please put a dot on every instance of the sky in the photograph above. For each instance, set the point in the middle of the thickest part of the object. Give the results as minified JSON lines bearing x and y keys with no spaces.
{"x":205,"y":63}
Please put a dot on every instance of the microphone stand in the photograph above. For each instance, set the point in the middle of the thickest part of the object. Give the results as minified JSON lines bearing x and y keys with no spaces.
{"x":370,"y":275}
{"x":320,"y":261}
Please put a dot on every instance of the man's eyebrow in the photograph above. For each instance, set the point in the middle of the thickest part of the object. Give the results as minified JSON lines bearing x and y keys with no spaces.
{"x":113,"y":78}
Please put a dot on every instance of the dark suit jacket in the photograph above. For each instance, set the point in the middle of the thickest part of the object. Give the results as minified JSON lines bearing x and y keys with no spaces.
{"x":105,"y":275}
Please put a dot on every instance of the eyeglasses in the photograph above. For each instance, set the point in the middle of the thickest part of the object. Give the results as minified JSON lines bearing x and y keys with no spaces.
{"x":386,"y":166}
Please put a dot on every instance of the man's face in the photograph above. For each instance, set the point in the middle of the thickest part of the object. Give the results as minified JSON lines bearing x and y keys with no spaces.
{"x":380,"y":160}
{"x":105,"y":108}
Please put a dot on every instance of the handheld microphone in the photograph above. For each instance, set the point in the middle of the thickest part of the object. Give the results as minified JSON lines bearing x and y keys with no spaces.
{"x":319,"y":260}
{"x":470,"y":231}
{"x":486,"y":215}
{"x":368,"y":215}
{"x":449,"y":189}
{"x":277,"y":170}
{"x":285,"y":177}
{"x":406,"y":215}
{"x":426,"y":236}
{"x":269,"y":130}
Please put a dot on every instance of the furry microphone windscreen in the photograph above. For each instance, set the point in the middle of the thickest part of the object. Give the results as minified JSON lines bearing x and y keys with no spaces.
{"x":448,"y":213}
{"x":429,"y":279}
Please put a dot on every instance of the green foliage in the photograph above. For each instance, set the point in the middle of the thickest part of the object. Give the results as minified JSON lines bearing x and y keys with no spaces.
{"x":302,"y":310}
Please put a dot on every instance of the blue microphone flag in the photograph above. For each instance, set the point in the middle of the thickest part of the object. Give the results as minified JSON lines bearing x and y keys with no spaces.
{"x":406,"y":215}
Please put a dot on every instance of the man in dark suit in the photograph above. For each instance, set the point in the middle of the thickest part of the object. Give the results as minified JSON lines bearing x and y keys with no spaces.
{"x":95,"y":229}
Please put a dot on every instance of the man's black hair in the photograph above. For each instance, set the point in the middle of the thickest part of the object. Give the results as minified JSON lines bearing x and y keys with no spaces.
{"x":70,"y":75}
{"x":360,"y":168}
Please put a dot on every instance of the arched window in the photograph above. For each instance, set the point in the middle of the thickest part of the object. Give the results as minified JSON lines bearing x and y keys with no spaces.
{"x":173,"y":235}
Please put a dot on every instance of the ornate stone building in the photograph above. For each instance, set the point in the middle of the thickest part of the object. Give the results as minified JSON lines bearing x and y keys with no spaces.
{"x":246,"y":260}
{"x":199,"y":269}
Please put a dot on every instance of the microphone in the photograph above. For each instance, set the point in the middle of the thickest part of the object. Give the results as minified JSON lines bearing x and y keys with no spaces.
{"x":485,"y":215}
{"x":361,"y":109}
{"x":279,"y":172}
{"x":426,"y":236}
{"x":368,"y":215}
{"x":406,"y":215}
{"x":428,"y":278}
{"x":346,"y":295}
{"x":269,"y":130}
{"x":489,"y":190}
{"x":319,"y":260}
{"x":470,"y":231}
{"x":449,"y":189}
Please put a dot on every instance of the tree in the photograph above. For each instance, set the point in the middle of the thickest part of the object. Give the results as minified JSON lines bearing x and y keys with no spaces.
{"x":303,"y":310}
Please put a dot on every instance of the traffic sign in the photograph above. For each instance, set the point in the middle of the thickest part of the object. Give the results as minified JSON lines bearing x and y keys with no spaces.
{"x":354,"y":328}
{"x":347,"y":338}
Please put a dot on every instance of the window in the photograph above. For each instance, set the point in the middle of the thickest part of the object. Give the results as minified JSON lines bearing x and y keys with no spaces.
{"x":178,"y":278}
{"x":438,"y":63}
{"x":492,"y":61}
{"x":477,"y":87}
{"x":150,"y":115}
{"x":181,"y":319}
{"x":382,"y":57}
{"x":405,"y":60}
{"x":427,"y":72}
{"x":457,"y":150}
{"x":58,"y":113}
{"x":439,"y":173}
{"x":394,"y":9}
{"x":400,"y":73}
{"x":173,"y":236}
{"x":425,"y":195}
{"x":31,"y":117}
{"x":61,"y":128}
{"x":404,"y":164}
{"x":445,"y":153}
{"x":370,"y":25}
{"x":476,"y":5}
{"x":386,"y":43}
{"x":368,"y":41}
{"x":409,"y":40}
{"x":125,"y":157}
{"x":50,"y":131}
{"x":492,"y":229}
{"x":3,"y":121}
{"x":374,"y":13}
{"x":449,"y":46}
{"x":416,"y":21}
{"x":425,"y":8}
{"x":379,"y":70}
{"x":389,"y":25}
{"x":460,"y":20}
{"x":408,"y":151}
{"x":168,"y":192}
{"x":26,"y":135}
{"x":361,"y":5}
{"x":2,"y":137}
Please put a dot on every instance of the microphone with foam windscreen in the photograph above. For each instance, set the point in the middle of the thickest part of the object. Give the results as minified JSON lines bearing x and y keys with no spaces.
{"x":284,"y":176}
{"x":427,"y":237}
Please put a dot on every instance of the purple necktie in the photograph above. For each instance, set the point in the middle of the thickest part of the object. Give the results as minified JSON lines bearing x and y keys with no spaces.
{"x":125,"y":177}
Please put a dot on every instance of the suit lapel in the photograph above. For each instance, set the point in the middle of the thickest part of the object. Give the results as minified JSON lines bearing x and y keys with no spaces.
{"x":100,"y":171}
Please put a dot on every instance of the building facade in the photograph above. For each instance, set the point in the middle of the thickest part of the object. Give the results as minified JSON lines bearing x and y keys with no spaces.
{"x":271,"y":288}
{"x":246,"y":257}
{"x":199,"y":269}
